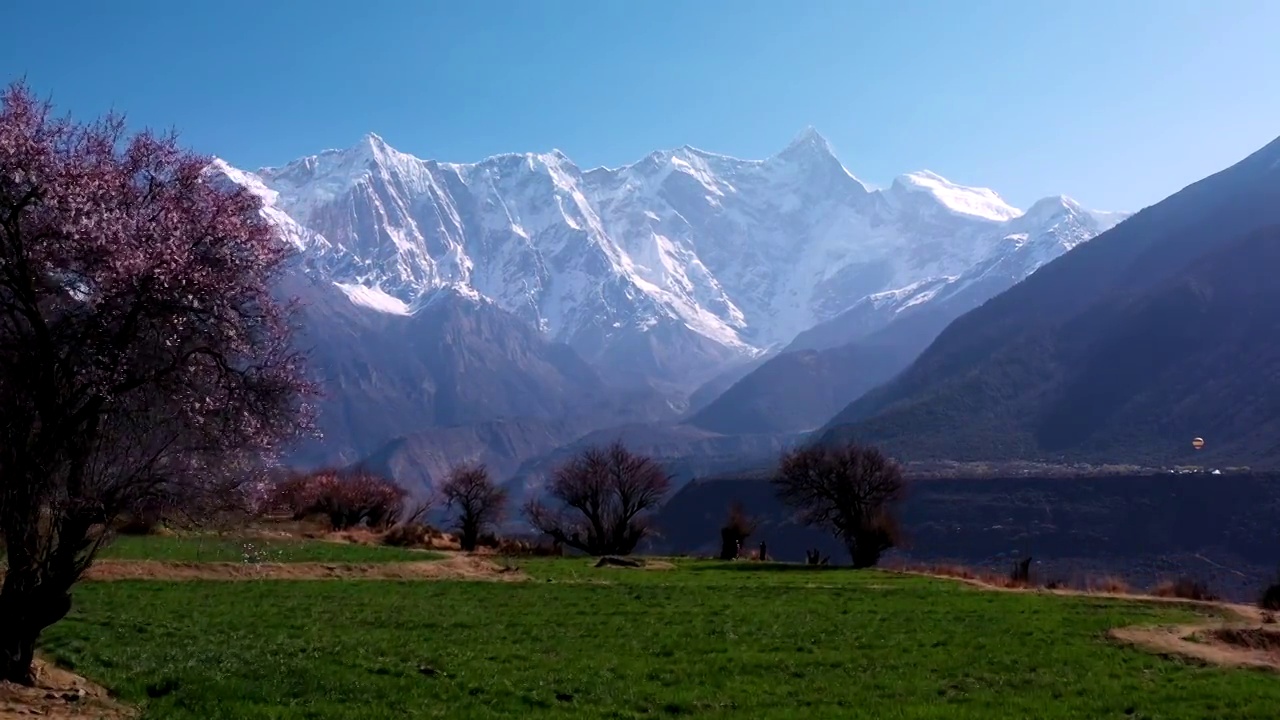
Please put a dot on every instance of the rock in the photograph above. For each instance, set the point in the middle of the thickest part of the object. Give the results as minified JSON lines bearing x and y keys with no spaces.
{"x":609,"y":561}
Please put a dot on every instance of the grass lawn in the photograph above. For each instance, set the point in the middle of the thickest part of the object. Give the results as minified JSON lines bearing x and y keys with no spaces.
{"x":225,"y":548}
{"x":704,"y":639}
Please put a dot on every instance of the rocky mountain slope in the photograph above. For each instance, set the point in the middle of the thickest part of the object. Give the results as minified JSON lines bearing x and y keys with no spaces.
{"x":498,"y":307}
{"x":1049,"y":229}
{"x":799,"y":391}
{"x":832,"y":364}
{"x":1163,"y":329}
{"x":666,"y":271}
{"x":452,"y":360}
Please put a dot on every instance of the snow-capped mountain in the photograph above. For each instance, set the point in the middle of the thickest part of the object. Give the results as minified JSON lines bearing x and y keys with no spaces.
{"x":833,"y":363}
{"x":1048,"y":229}
{"x":663,"y":270}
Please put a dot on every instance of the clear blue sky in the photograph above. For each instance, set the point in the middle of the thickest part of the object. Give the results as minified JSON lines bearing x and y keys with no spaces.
{"x":1117,"y":103}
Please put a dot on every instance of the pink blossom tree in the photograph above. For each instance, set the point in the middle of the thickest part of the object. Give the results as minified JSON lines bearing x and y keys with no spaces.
{"x":144,"y":362}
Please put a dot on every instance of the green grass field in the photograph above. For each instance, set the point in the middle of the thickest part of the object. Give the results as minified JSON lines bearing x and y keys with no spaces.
{"x":223,"y":548}
{"x":704,"y":639}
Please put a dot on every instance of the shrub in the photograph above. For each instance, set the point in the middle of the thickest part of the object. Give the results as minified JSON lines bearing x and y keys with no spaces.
{"x":1021,"y":573}
{"x":1108,"y":584}
{"x":346,"y":499}
{"x":1270,"y":597}
{"x":300,"y":495}
{"x":552,"y":548}
{"x":1186,"y":589}
{"x":141,"y":523}
{"x":407,"y":535}
{"x":737,"y":528}
{"x":953,"y":571}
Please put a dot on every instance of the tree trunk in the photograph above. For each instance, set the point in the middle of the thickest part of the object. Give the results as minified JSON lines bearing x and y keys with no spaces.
{"x":25,"y":611}
{"x":17,"y":649}
{"x":864,"y":553}
{"x":470,"y":535}
{"x":730,"y":545}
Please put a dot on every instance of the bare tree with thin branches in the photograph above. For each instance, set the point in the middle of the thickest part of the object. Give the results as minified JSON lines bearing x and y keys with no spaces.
{"x":477,"y":503}
{"x":600,"y":500}
{"x":849,"y":489}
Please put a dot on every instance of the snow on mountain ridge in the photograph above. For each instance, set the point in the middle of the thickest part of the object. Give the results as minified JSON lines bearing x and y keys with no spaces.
{"x":683,"y":244}
{"x":1050,"y":228}
{"x":300,"y":237}
{"x":978,"y":202}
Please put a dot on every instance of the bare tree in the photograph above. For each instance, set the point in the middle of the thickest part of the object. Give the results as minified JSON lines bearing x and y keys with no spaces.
{"x":476,"y":501}
{"x":145,"y":364}
{"x":416,"y":514}
{"x":848,"y":489}
{"x":737,"y":528}
{"x":600,"y":500}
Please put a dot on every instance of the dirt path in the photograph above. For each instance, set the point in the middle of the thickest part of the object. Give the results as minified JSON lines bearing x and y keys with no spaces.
{"x":1240,"y":635}
{"x":1226,"y":643}
{"x":457,"y":567}
{"x":60,"y":694}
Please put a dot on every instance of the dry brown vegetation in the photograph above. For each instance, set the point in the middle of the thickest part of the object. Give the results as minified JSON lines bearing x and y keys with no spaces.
{"x":458,"y":567}
{"x":1181,"y":589}
{"x":347,"y":498}
{"x":1185,"y":588}
{"x":1109,"y":584}
{"x":989,"y":578}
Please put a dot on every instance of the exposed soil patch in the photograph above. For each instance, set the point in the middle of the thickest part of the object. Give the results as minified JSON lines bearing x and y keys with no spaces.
{"x":1103,"y":588}
{"x":633,"y":563}
{"x":60,"y":694}
{"x":458,"y":567}
{"x":1236,"y":639}
{"x":433,"y":539}
{"x":1214,"y":643}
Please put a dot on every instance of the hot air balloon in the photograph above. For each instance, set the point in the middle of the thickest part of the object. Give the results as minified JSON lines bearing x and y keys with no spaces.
{"x":1197,"y":443}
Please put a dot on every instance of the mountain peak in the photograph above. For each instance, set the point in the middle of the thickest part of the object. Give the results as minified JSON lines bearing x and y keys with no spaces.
{"x":977,"y":202}
{"x":808,"y":142}
{"x":371,"y":145}
{"x":1053,"y":204}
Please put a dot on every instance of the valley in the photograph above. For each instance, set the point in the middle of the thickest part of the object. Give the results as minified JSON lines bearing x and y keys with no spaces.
{"x":466,"y":360}
{"x":1141,"y":529}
